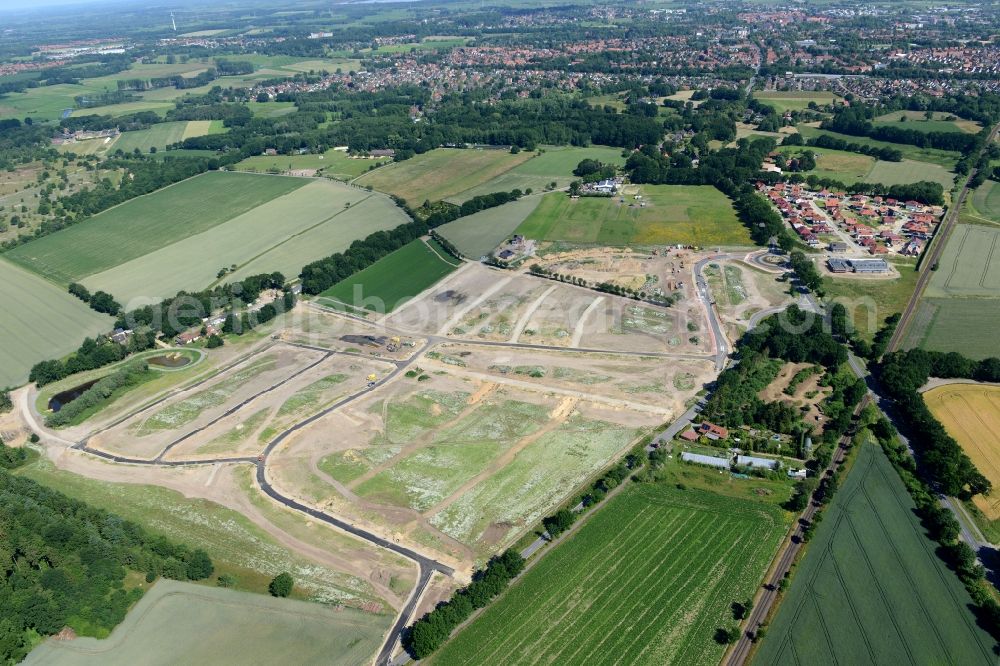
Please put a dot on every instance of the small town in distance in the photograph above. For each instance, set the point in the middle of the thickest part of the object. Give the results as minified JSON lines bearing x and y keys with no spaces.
{"x":458,"y":332}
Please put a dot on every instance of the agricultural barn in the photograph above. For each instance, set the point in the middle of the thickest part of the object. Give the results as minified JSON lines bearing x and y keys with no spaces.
{"x":758,"y":463}
{"x":711,"y":461}
{"x":869,"y":265}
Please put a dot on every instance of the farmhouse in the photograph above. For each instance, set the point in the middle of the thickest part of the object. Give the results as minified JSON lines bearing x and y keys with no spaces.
{"x":713,"y":431}
{"x":711,"y":461}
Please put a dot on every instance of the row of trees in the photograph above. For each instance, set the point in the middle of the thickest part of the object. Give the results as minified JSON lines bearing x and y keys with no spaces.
{"x":884,"y":153}
{"x":101,"y":301}
{"x":941,"y":461}
{"x":856,"y":120}
{"x":93,"y":353}
{"x":322,"y":274}
{"x":434,"y":214}
{"x":130,"y":374}
{"x":65,"y":564}
{"x":431,"y":631}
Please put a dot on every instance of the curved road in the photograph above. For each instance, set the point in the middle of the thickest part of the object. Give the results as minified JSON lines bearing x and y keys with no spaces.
{"x":427,"y":566}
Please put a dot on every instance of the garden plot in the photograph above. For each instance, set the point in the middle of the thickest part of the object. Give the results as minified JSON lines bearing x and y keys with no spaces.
{"x":148,"y":432}
{"x":662,"y":383}
{"x":248,"y":430}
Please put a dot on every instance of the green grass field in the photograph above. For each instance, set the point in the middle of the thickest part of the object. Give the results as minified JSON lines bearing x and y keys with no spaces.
{"x":40,"y":321}
{"x":986,"y":202}
{"x":333,"y":163}
{"x":478,"y":234}
{"x":690,"y":214}
{"x":910,"y":171}
{"x":646,"y":580}
{"x":793,"y":100}
{"x":441,"y":173}
{"x":969,"y":265}
{"x":555,"y":165}
{"x":870,"y":301}
{"x":837,"y":164}
{"x":160,"y":135}
{"x":148,"y":223}
{"x":916,"y":120}
{"x":178,"y":622}
{"x":236,"y":545}
{"x":394,"y":279}
{"x":871,"y":588}
{"x":282,"y":235}
{"x":942,"y":158}
{"x":956,"y":324}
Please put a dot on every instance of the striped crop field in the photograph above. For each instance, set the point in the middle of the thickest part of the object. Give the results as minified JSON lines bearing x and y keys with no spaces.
{"x":871,"y":589}
{"x":648,"y":579}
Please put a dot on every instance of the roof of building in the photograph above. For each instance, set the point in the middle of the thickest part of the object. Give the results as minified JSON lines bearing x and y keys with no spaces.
{"x":705,"y":460}
{"x":753,"y":461}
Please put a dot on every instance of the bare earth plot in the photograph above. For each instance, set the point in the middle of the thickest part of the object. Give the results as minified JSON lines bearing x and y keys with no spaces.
{"x":971,"y":414}
{"x":646,"y":580}
{"x":148,"y":433}
{"x":212,"y":625}
{"x":871,"y":588}
{"x":40,"y":321}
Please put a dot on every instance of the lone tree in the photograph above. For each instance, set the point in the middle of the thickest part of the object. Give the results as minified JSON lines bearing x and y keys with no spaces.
{"x":282,"y":584}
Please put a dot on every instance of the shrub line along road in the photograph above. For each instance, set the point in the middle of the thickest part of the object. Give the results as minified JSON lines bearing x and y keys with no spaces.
{"x":427,"y":566}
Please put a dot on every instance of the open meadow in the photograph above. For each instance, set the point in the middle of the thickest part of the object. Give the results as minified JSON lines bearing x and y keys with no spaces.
{"x":479,"y":234}
{"x":148,"y":223}
{"x":394,"y":279}
{"x":441,"y":173}
{"x":653,"y":214}
{"x":917,"y":120}
{"x":178,"y":622}
{"x":648,"y":579}
{"x":971,"y":414}
{"x":333,"y":164}
{"x":163,"y":134}
{"x":944,"y":158}
{"x":794,"y":100}
{"x":40,"y":321}
{"x":871,"y":588}
{"x":181,"y":236}
{"x":963,"y":297}
{"x":551,"y":164}
{"x":986,"y":203}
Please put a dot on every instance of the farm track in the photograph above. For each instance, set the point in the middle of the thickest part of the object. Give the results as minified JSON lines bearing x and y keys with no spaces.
{"x":427,"y":566}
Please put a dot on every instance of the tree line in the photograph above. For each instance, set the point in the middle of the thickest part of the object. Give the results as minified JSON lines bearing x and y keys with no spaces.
{"x":856,"y":120}
{"x":101,"y":301}
{"x":941,"y":461}
{"x":64,"y":563}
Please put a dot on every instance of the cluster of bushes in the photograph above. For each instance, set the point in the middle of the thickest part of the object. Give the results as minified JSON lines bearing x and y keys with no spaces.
{"x":320,"y":275}
{"x":92,"y":354}
{"x":65,"y":564}
{"x":942,"y":463}
{"x":240,"y":323}
{"x":797,"y":336}
{"x":185,"y":310}
{"x":441,"y":212}
{"x":6,"y":404}
{"x":805,"y":271}
{"x":942,"y":526}
{"x":431,"y":631}
{"x":592,"y":171}
{"x":101,"y":301}
{"x":11,"y":457}
{"x":128,"y":375}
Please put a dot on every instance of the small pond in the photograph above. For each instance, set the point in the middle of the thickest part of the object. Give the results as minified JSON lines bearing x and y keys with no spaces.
{"x":57,"y":401}
{"x":169,"y":360}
